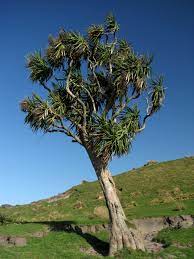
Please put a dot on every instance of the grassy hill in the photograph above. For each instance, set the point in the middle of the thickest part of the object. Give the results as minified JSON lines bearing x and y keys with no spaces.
{"x":159,"y":189}
{"x":153,"y":190}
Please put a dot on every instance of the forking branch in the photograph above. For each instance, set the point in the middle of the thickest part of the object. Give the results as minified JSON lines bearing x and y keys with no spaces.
{"x":74,"y":96}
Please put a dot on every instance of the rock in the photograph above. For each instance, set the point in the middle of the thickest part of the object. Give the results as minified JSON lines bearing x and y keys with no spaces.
{"x":174,"y":221}
{"x":106,"y":227}
{"x":92,"y":229}
{"x":99,"y":228}
{"x":153,"y":247}
{"x":12,"y":241}
{"x":17,"y":241}
{"x":187,"y":222}
{"x":149,"y":225}
{"x":154,"y":225}
{"x":151,"y":162}
{"x":3,"y":240}
{"x":84,"y":229}
{"x":101,"y":212}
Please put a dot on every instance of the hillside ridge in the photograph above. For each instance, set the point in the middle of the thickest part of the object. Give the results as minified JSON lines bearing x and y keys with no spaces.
{"x":66,"y":194}
{"x":154,"y":190}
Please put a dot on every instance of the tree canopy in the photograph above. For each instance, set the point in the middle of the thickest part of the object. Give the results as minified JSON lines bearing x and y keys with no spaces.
{"x":99,"y":91}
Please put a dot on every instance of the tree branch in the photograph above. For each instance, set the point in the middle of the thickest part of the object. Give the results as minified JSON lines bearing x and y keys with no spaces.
{"x":74,"y":96}
{"x":124,"y":105}
{"x":148,"y":114}
{"x":67,"y":131}
{"x":62,"y":128}
{"x":93,"y":67}
{"x":92,"y":99}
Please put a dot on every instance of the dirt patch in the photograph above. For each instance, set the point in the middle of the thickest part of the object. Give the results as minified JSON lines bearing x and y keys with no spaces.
{"x":12,"y":241}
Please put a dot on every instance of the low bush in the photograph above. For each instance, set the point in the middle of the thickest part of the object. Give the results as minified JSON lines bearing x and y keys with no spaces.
{"x":179,"y":206}
{"x":5,"y":219}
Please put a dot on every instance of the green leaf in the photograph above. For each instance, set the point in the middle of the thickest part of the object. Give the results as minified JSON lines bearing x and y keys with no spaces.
{"x":95,"y":32}
{"x":111,"y":26}
{"x":39,"y":68}
{"x":157,"y":94}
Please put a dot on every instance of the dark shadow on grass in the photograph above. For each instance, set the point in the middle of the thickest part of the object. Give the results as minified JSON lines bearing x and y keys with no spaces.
{"x":101,"y":247}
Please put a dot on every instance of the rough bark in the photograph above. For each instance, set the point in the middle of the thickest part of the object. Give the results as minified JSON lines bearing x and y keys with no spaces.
{"x":120,"y":235}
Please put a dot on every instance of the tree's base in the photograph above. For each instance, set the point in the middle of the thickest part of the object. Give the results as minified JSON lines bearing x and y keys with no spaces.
{"x":130,"y":239}
{"x":120,"y":235}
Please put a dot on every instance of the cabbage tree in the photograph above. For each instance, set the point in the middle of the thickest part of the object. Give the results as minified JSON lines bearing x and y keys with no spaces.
{"x":100,"y":93}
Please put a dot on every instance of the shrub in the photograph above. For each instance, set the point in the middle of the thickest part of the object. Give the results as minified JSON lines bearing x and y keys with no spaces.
{"x":5,"y":219}
{"x":179,"y":206}
{"x":155,"y":201}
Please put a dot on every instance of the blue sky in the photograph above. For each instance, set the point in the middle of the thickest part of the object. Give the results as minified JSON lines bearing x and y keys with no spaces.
{"x":35,"y":166}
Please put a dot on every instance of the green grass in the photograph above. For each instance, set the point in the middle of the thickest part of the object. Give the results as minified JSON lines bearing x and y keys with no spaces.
{"x":25,"y":230}
{"x":55,"y":245}
{"x":148,"y":191}
{"x":174,"y":236}
{"x":155,"y":190}
{"x":180,"y":242}
{"x":59,"y":244}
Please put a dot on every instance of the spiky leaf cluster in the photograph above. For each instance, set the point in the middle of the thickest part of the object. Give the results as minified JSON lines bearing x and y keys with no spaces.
{"x":92,"y":82}
{"x":112,"y":137}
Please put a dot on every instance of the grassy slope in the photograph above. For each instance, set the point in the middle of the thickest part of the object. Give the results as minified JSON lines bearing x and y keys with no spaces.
{"x":148,"y":191}
{"x":153,"y":190}
{"x":67,"y":245}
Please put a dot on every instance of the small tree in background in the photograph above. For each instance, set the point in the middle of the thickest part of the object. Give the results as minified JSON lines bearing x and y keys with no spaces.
{"x":97,"y":89}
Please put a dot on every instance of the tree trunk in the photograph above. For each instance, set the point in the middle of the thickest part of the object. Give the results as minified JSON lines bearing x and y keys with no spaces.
{"x":121,"y":236}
